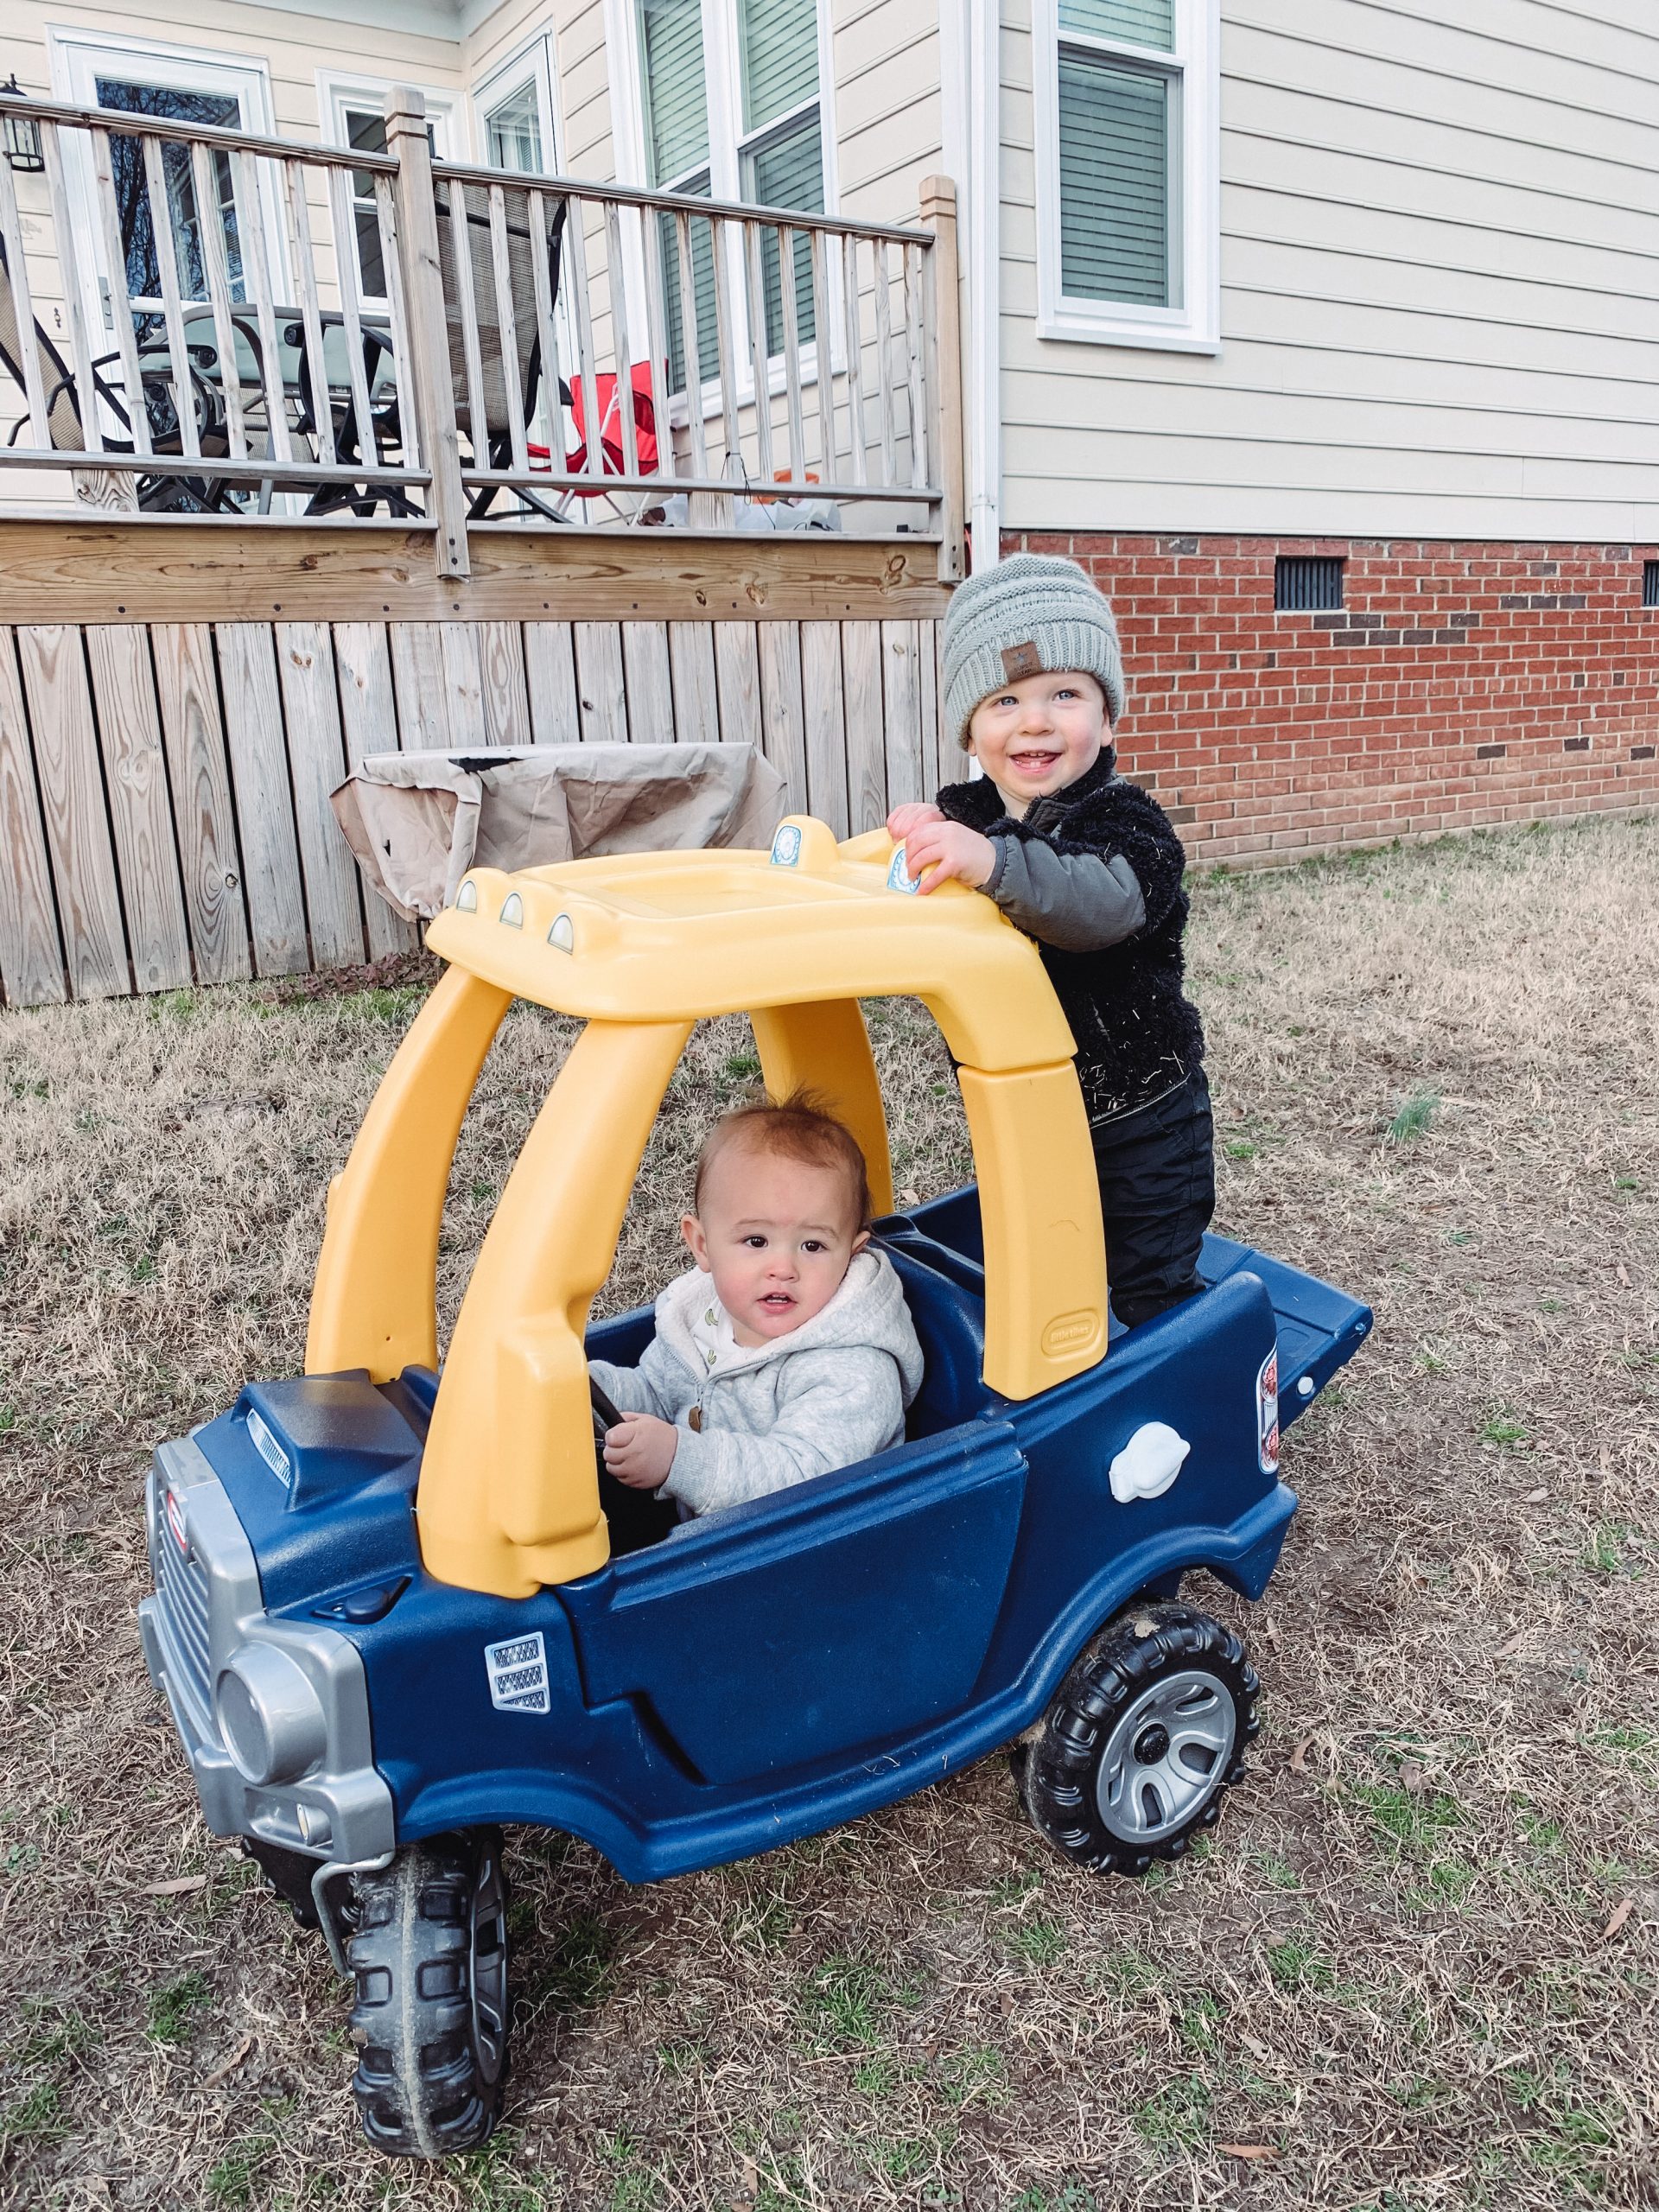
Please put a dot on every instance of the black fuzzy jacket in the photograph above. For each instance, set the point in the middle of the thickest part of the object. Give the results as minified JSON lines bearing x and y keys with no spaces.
{"x":1093,"y":874}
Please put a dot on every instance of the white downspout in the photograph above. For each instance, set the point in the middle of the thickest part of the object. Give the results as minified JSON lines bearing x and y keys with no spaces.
{"x":984,"y":320}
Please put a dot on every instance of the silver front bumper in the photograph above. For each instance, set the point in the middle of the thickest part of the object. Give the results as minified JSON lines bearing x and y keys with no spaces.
{"x":207,"y":1602}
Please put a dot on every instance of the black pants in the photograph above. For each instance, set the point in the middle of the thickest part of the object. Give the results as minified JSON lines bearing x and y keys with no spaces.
{"x":1157,"y":1174}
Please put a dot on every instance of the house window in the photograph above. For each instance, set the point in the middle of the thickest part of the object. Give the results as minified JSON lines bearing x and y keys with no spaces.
{"x":730,"y":94}
{"x":355,"y":115}
{"x":1127,"y":210}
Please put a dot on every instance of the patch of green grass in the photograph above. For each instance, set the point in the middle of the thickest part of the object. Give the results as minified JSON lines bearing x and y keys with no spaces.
{"x":1198,"y":2023}
{"x":174,"y":1005}
{"x":1413,"y":1116}
{"x":1632,"y":1746}
{"x":1240,"y":1148}
{"x":1277,"y":1872}
{"x":844,"y":1999}
{"x":1178,"y":2117}
{"x":742,"y":1067}
{"x":1606,"y":1548}
{"x":903,"y":2157}
{"x":1127,"y":1972}
{"x":1410,"y":1822}
{"x":634,"y":2187}
{"x":682,"y":2056}
{"x":234,"y":2179}
{"x":768,"y":1928}
{"x":49,"y":2041}
{"x":578,"y":1971}
{"x":1070,"y":2196}
{"x":176,"y":2008}
{"x":1297,"y":1964}
{"x":34,"y":2117}
{"x":877,"y":2076}
{"x":1038,"y":1940}
{"x":1504,"y":1429}
{"x":978,"y":2073}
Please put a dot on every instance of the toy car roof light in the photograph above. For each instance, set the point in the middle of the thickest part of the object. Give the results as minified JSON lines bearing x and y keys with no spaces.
{"x":641,"y":946}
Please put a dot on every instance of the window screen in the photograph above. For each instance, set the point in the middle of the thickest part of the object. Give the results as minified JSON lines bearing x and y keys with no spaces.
{"x":1115,"y":130}
{"x":677,"y":107}
{"x":778,"y":41}
{"x":1134,"y":22}
{"x":701,"y":240}
{"x":787,"y":171}
{"x":185,"y":218}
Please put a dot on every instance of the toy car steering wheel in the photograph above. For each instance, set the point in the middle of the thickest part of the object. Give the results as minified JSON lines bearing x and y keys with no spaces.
{"x":604,"y":1416}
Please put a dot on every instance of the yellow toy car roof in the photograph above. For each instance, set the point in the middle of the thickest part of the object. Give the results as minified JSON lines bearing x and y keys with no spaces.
{"x":683,"y":936}
{"x":641,"y":947}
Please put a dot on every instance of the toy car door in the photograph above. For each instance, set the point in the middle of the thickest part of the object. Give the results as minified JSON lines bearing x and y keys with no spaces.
{"x":841,"y":1615}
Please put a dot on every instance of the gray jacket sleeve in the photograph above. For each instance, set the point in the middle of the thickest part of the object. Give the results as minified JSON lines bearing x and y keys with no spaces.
{"x":658,"y":1385}
{"x":1081,"y":902}
{"x":841,"y":1405}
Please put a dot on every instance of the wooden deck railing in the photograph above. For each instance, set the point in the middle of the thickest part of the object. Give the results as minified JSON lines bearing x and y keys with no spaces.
{"x":347,"y":336}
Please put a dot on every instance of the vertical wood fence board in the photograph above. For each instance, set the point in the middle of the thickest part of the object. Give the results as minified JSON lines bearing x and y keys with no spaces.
{"x":650,"y":688}
{"x":31,"y":959}
{"x":697,"y":696}
{"x":783,"y":715}
{"x":77,"y":824}
{"x":305,"y":659}
{"x":418,"y":674}
{"x":867,"y":753}
{"x":463,"y":680}
{"x":826,"y":724}
{"x":264,"y":801}
{"x":600,"y":689}
{"x":902,"y":694}
{"x":368,"y":714}
{"x":927,"y":662}
{"x":187,"y":688}
{"x":135,"y":777}
{"x":501,"y":669}
{"x":550,"y":678}
{"x":737,"y":672}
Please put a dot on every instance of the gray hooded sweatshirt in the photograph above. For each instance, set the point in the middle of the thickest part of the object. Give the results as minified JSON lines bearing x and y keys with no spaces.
{"x":830,"y":1392}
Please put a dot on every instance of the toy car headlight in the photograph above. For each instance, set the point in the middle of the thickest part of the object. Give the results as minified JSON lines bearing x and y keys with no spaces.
{"x":269,"y":1716}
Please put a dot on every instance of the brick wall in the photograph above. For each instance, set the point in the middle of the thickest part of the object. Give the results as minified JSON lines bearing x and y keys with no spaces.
{"x":1460,"y":685}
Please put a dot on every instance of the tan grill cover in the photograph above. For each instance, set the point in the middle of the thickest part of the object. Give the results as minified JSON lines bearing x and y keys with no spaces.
{"x":418,"y":821}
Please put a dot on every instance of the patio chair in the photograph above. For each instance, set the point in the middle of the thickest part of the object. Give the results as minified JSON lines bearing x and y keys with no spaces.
{"x":492,"y":439}
{"x":186,"y":494}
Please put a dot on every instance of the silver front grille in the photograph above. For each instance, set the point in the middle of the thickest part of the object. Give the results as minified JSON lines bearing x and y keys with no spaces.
{"x":182,"y":1585}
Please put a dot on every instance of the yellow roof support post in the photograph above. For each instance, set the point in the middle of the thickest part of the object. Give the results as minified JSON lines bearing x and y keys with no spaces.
{"x":826,"y":1046}
{"x":509,"y":1494}
{"x":1040,"y":1213}
{"x":374,"y":1298}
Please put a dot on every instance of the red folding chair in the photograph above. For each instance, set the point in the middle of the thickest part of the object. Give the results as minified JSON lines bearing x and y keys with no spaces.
{"x":611,"y":447}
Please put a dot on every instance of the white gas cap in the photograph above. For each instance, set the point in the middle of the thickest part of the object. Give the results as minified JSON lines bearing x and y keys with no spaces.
{"x":1149,"y":1463}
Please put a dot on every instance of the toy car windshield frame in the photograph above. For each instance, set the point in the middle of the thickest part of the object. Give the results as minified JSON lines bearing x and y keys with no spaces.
{"x":641,"y":947}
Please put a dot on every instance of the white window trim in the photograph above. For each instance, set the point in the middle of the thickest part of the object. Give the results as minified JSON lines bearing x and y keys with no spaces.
{"x":532,"y":57}
{"x":1195,"y":327}
{"x":445,"y":112}
{"x":723,"y":90}
{"x":75,"y":52}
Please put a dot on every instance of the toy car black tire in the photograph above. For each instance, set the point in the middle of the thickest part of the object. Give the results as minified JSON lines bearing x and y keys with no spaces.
{"x":1146,"y":1735}
{"x":428,"y":1954}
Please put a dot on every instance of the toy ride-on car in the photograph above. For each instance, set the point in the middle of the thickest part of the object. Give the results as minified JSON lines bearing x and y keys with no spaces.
{"x":397,"y":1608}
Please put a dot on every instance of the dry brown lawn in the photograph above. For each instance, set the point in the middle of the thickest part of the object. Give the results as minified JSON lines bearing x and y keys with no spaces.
{"x":1416,"y":1968}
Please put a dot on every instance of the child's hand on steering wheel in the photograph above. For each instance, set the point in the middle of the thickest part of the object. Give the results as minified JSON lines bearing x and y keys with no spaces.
{"x":937,"y":851}
{"x":911,"y":815}
{"x":640,"y":1451}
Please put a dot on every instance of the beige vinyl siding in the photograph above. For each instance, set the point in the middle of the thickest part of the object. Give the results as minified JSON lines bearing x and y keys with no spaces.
{"x":1439,"y":265}
{"x":887,"y":105}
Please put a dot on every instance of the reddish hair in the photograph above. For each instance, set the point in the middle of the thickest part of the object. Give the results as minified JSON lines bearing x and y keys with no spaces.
{"x":797,"y":1127}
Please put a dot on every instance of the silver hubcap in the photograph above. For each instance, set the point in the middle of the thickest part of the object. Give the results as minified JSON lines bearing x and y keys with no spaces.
{"x":1167,"y":1753}
{"x":489,"y":1967}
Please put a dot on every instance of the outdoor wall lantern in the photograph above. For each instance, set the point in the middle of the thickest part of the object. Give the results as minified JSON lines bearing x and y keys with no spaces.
{"x":22,"y":134}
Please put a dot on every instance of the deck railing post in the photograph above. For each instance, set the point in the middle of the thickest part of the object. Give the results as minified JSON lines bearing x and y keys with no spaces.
{"x":939,"y":213}
{"x":434,"y":395}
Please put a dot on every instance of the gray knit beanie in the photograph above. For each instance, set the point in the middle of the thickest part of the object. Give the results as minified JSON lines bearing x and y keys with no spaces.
{"x":1029,"y":615}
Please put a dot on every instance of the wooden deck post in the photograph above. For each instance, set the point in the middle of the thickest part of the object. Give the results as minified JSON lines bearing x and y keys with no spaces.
{"x":938,"y":212}
{"x":434,"y":394}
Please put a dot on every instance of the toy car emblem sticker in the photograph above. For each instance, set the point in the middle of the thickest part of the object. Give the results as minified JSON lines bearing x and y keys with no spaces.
{"x":787,"y":846}
{"x":899,"y":876}
{"x":517,"y":1673}
{"x":270,"y":1450}
{"x":175,"y":1522}
{"x":1266,"y":1413}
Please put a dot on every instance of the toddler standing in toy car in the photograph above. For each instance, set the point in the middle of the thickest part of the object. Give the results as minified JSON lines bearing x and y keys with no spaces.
{"x":788,"y":1350}
{"x":1091,"y":867}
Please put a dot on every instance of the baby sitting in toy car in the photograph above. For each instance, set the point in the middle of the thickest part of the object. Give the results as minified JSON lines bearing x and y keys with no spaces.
{"x":788,"y":1350}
